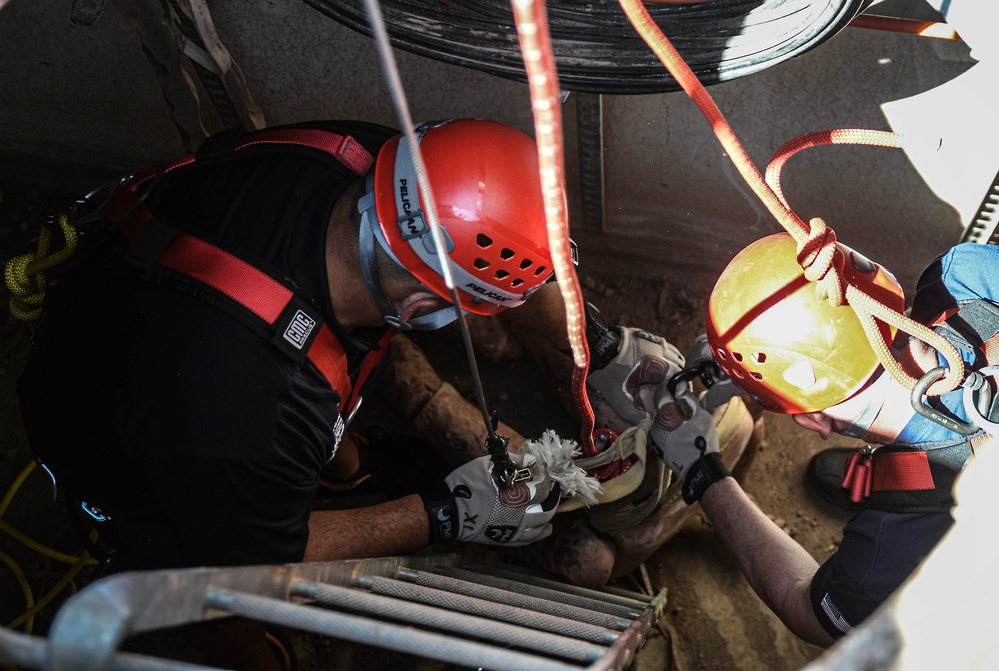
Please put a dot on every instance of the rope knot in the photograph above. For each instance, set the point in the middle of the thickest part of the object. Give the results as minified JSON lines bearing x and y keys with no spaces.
{"x":818,"y":257}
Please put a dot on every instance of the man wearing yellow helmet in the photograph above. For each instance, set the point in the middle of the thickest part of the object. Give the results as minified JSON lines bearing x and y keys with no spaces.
{"x":904,"y":487}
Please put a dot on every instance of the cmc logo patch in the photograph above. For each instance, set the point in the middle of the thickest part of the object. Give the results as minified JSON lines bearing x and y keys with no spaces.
{"x":299,"y":329}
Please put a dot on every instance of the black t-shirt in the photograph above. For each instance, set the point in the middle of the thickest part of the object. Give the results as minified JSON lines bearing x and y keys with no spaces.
{"x":149,"y":401}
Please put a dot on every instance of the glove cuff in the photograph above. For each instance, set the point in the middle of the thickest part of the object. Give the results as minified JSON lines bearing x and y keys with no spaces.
{"x":442,"y":514}
{"x":703,"y":473}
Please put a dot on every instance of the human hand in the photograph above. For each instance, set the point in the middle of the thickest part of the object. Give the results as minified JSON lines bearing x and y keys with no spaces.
{"x":723,"y":389}
{"x":684,"y":438}
{"x":480,"y":510}
{"x":626,"y":385}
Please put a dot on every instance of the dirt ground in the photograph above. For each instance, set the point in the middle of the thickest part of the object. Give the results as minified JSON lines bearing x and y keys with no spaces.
{"x":713,"y":620}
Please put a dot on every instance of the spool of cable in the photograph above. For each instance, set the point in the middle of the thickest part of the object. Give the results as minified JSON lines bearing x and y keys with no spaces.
{"x":596,"y":48}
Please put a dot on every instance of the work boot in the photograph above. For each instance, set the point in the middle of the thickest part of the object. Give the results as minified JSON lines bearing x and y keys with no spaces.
{"x":825,"y":476}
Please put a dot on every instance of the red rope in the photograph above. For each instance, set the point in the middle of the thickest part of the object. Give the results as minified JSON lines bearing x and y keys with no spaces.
{"x":539,"y":61}
{"x":817,"y":252}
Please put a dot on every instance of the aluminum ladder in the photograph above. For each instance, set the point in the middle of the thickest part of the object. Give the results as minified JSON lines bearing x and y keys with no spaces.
{"x":483,"y":615}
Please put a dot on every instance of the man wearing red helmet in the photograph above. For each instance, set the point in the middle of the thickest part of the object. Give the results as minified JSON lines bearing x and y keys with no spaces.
{"x":904,"y":487}
{"x":217,"y":334}
{"x":229,"y":310}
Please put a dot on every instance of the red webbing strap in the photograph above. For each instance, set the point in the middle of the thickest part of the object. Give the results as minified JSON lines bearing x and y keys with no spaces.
{"x":239,"y":280}
{"x":253,"y":289}
{"x":370,"y":361}
{"x":902,"y":472}
{"x":258,"y":292}
{"x":344,"y":148}
{"x":887,"y":472}
{"x":328,"y":357}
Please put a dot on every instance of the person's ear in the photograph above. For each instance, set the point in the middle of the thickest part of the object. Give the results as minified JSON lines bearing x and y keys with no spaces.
{"x":819,"y":422}
{"x":420,"y":303}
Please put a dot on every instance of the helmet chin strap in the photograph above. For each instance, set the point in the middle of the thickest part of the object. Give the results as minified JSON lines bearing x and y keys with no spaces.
{"x":369,"y":230}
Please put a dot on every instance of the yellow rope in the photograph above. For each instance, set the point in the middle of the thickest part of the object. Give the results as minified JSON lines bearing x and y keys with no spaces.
{"x":21,"y":538}
{"x":29,"y":597}
{"x":78,"y":562}
{"x":25,"y":275}
{"x":30,"y":466}
{"x":84,"y":560}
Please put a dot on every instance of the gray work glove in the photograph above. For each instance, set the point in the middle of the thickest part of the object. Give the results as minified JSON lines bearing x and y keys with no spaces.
{"x":684,"y":438}
{"x":643,"y":362}
{"x":722,"y":391}
{"x":480,"y":510}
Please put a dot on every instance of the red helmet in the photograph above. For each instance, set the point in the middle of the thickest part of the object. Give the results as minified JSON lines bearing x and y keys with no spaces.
{"x":780,"y":343}
{"x":487,"y":189}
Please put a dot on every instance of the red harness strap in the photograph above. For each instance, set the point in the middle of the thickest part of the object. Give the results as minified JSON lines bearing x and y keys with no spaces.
{"x":890,"y":472}
{"x":262,"y":295}
{"x":242,"y":282}
{"x":344,"y":148}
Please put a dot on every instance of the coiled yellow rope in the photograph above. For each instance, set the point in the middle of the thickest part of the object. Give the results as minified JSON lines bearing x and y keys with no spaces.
{"x":78,"y":562}
{"x":25,"y":275}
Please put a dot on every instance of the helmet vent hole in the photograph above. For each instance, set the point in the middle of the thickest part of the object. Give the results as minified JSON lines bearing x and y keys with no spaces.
{"x":483,"y":241}
{"x":722,"y":354}
{"x":737,"y":356}
{"x":539,"y":271}
{"x":517,"y":282}
{"x":500,"y":274}
{"x":738,"y":373}
{"x":759,"y":357}
{"x":506,"y":254}
{"x":481,"y":263}
{"x":757,"y":376}
{"x":525,"y":264}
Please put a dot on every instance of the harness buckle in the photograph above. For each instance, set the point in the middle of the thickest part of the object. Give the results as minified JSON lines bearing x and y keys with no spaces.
{"x":978,"y":399}
{"x":859,"y":475}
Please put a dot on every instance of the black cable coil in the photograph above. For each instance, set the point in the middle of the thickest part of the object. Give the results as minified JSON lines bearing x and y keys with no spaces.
{"x":596,"y":48}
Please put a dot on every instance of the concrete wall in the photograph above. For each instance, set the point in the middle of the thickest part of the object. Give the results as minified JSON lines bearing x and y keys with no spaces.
{"x":82,"y":103}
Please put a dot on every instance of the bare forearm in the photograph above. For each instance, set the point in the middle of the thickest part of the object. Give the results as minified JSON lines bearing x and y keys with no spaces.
{"x":388,"y":529}
{"x":779,"y":570}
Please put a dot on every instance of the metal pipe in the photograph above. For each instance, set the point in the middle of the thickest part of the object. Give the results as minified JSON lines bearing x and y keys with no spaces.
{"x":545,"y":593}
{"x":503,"y":596}
{"x":635,"y":600}
{"x":372,"y":632}
{"x":419,"y":615}
{"x":587,"y":631}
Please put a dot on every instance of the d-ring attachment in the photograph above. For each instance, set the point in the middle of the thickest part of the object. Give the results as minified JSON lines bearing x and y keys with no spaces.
{"x":946,"y":421}
{"x":979,"y":408}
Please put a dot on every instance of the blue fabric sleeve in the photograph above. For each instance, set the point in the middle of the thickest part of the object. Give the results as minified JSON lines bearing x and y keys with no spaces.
{"x":965,"y":273}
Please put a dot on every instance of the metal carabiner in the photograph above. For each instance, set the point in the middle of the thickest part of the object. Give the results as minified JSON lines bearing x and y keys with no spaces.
{"x":946,"y":421}
{"x":77,"y":218}
{"x":707,"y":371}
{"x":977,"y":409}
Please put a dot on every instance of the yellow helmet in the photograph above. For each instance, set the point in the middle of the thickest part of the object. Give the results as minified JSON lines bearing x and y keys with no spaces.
{"x":791,"y":351}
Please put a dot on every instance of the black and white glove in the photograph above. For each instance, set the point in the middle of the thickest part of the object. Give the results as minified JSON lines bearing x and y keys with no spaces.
{"x":723,"y":389}
{"x":642,"y":363}
{"x":684,"y":438}
{"x":477,"y":509}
